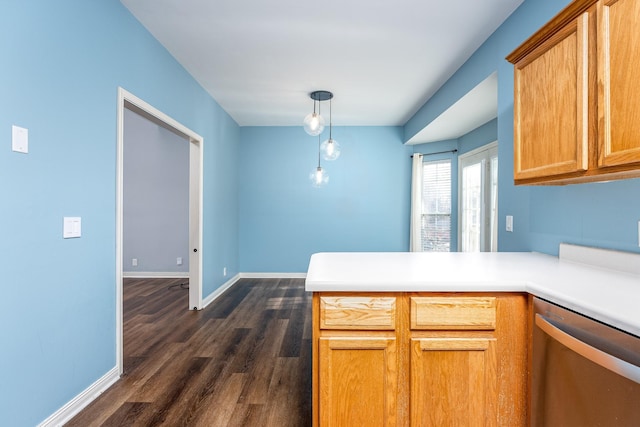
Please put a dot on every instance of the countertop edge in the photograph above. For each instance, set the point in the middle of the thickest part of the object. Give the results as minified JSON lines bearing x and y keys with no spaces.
{"x":588,"y":290}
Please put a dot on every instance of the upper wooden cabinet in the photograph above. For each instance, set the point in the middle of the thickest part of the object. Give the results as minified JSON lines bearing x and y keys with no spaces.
{"x":576,"y":101}
{"x":618,"y":83}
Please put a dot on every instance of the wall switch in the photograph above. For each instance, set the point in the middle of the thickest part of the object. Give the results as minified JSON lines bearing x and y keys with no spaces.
{"x":638,"y":233}
{"x":72,"y":227}
{"x":179,"y":260}
{"x":509,"y":223}
{"x":19,"y":139}
{"x":134,"y":262}
{"x":224,"y":271}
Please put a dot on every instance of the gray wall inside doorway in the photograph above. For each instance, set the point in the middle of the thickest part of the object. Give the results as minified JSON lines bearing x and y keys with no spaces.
{"x":155,"y":199}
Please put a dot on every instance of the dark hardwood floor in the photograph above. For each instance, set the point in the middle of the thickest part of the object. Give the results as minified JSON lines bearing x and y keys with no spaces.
{"x":245,"y":360}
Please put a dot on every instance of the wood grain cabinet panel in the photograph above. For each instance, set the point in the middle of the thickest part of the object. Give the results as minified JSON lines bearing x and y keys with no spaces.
{"x":618,"y":64}
{"x":452,"y":359}
{"x":577,"y":96}
{"x":453,"y":382}
{"x":447,"y":313}
{"x":358,"y":381}
{"x":357,"y":312}
{"x":550,"y":105}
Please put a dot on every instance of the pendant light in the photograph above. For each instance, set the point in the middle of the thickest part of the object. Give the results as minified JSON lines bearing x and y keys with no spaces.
{"x":314,"y":122}
{"x":330,"y":147}
{"x":319,"y":176}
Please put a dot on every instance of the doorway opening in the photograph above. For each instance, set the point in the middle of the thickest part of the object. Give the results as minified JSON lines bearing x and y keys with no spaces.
{"x":128,"y":101}
{"x":478,"y":200}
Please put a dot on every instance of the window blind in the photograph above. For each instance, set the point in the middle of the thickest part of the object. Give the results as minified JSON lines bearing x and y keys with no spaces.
{"x":436,"y":206}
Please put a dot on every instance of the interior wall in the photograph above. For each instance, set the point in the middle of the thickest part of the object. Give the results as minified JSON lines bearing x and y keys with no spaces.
{"x":284,"y":219}
{"x":64,"y":63}
{"x":155,"y":199}
{"x":483,"y":135}
{"x":599,"y":214}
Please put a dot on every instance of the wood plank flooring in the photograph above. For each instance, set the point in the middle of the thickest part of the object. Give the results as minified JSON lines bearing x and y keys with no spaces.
{"x":243,"y":361}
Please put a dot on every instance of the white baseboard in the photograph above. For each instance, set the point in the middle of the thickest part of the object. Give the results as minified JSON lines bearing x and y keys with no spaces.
{"x":215,"y":294}
{"x":78,"y":403}
{"x":154,"y":274}
{"x":273,"y":275}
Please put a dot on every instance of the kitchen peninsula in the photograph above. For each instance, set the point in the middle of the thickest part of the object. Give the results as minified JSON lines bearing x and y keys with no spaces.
{"x":437,"y":338}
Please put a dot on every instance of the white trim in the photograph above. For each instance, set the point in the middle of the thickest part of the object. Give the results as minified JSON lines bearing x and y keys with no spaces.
{"x":273,"y":275}
{"x":475,"y":151}
{"x":215,"y":294}
{"x":78,"y":403}
{"x":152,"y":274}
{"x":195,"y":241}
{"x":462,"y":158}
{"x":119,"y":227}
{"x":196,"y":185}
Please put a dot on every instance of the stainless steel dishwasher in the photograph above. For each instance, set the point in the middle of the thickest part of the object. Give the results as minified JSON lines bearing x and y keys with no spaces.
{"x":584,"y":373}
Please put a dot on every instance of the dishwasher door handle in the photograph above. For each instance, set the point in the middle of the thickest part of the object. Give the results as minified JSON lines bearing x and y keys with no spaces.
{"x":606,"y":360}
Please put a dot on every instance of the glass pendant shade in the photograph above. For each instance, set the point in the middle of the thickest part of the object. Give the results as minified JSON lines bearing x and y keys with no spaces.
{"x":330,"y":149}
{"x":314,"y":124}
{"x":319,"y":177}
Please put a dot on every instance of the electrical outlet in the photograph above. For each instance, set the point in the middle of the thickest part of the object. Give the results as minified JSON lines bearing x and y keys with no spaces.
{"x":134,"y":262}
{"x":224,"y":271}
{"x":638,"y":233}
{"x":510,"y":223}
{"x":179,"y":260}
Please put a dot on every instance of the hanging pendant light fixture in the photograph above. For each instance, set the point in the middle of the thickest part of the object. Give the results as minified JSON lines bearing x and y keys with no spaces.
{"x":319,"y":176}
{"x":314,"y":122}
{"x":330,"y":147}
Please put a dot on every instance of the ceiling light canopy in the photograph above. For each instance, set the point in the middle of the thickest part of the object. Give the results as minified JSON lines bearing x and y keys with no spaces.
{"x":314,"y":122}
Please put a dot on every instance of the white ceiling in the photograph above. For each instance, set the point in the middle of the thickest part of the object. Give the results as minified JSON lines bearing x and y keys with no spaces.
{"x":382,"y":59}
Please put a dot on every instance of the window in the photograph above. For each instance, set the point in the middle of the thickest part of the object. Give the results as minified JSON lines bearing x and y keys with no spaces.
{"x":436,"y":206}
{"x":479,"y":200}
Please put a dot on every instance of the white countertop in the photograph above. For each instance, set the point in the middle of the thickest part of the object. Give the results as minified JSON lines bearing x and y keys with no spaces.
{"x":610,"y":296}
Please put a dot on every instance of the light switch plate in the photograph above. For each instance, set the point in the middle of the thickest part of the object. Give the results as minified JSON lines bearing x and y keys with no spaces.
{"x":19,"y":139}
{"x":509,"y":223}
{"x":72,"y":227}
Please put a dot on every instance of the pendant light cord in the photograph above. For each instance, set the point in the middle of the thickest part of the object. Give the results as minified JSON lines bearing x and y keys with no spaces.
{"x":319,"y":106}
{"x":330,"y":119}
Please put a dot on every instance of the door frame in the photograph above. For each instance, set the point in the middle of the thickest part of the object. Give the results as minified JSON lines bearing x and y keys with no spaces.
{"x":127,"y":100}
{"x":487,"y":148}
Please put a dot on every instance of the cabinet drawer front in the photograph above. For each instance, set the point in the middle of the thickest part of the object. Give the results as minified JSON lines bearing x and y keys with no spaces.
{"x":442,"y":313}
{"x":377,"y":313}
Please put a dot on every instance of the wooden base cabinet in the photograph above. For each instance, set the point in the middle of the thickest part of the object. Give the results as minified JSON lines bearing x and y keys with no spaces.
{"x":360,"y":381}
{"x":419,"y":359}
{"x":453,"y":382}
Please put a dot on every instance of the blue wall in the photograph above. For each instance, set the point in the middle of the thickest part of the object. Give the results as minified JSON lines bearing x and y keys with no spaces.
{"x":63,"y":63}
{"x":283,"y":219}
{"x":602,"y":214}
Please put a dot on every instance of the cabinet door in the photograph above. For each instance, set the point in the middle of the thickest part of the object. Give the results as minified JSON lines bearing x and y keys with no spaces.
{"x":551,"y":101}
{"x":619,"y":86}
{"x":453,"y":382}
{"x":358,"y":381}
